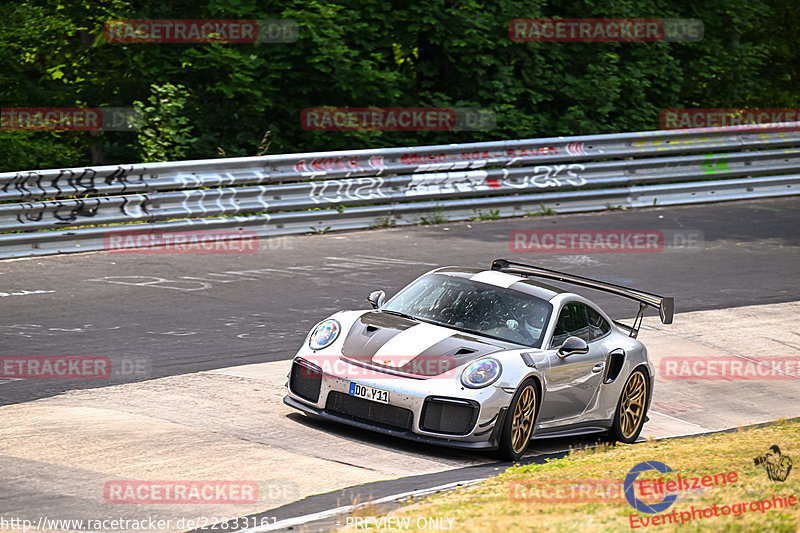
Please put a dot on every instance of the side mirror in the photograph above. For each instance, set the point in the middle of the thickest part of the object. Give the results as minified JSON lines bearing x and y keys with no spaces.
{"x":376,"y":298}
{"x":571,"y":346}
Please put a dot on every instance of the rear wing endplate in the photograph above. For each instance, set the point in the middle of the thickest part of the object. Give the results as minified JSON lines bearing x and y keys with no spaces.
{"x":665,"y":305}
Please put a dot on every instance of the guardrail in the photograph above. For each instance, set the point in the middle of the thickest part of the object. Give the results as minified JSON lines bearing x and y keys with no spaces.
{"x":297,"y":193}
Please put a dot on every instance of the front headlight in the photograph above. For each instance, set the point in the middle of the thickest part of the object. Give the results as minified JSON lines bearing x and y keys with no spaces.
{"x":324,"y":334}
{"x":481,"y":373}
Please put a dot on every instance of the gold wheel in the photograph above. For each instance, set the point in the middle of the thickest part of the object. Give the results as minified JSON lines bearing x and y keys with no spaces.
{"x":524,"y":413}
{"x":632,"y":404}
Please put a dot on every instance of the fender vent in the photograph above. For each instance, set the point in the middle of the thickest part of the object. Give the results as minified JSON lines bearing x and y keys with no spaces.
{"x":615,"y":360}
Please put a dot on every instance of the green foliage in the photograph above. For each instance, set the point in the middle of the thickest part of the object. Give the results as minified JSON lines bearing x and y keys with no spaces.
{"x":164,"y":132}
{"x":493,"y":214}
{"x":24,"y":150}
{"x":384,"y":222}
{"x":385,"y":53}
{"x":543,"y":211}
{"x":437,"y":216}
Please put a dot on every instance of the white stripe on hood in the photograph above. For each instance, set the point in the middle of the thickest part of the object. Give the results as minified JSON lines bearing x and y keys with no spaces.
{"x":410,"y":343}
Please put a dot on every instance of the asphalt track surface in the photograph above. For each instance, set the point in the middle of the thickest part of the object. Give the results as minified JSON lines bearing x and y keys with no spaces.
{"x":178,"y":313}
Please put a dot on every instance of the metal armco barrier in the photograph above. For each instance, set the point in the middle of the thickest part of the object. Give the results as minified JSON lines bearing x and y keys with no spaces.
{"x":298,"y":193}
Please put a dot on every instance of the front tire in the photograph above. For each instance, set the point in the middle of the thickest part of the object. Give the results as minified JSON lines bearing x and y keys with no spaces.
{"x":518,"y":425}
{"x":631,"y":408}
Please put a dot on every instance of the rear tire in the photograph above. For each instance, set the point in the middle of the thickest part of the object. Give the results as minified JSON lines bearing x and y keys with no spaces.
{"x":631,"y":409}
{"x":520,"y":419}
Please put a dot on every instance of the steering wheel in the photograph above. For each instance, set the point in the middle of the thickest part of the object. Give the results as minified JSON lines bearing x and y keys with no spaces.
{"x":508,"y":334}
{"x":485,"y":325}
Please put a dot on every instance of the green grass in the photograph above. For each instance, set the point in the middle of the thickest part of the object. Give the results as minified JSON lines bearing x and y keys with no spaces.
{"x":507,"y":503}
{"x":543,"y":211}
{"x":437,"y":216}
{"x":493,"y":214}
{"x":384,"y":222}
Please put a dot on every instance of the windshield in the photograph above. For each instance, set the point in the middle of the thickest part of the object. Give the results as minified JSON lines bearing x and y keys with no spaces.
{"x":474,"y":307}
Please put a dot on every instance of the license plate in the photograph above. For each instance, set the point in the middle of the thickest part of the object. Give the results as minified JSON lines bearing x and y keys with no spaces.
{"x":369,"y":393}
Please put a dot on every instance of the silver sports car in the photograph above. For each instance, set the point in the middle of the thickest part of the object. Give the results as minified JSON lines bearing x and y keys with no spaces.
{"x":481,"y":359}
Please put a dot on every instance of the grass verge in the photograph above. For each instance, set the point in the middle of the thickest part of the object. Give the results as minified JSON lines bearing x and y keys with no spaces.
{"x":584,"y":492}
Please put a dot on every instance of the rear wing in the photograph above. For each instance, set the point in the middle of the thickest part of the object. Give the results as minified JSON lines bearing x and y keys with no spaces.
{"x":665,"y":305}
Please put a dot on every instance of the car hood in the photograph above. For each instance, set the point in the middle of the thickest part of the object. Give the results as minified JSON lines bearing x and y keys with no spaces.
{"x":393,"y":343}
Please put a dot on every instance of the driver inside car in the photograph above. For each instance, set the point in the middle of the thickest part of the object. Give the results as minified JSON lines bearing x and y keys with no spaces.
{"x":533,"y":322}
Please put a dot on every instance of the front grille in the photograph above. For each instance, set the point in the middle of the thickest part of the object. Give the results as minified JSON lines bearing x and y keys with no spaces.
{"x":452,"y":416}
{"x":305,"y":380}
{"x":363,"y":410}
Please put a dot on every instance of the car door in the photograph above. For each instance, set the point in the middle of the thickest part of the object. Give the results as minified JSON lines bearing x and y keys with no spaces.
{"x":573,"y":381}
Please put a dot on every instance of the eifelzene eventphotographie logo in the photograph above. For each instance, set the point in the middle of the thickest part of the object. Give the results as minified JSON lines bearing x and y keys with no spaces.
{"x":777,"y":465}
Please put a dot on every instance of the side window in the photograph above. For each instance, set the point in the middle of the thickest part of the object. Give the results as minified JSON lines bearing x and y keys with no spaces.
{"x":579,"y":320}
{"x":572,"y":322}
{"x":598,"y":326}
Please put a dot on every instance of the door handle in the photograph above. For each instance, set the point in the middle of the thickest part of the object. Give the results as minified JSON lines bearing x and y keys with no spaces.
{"x":597,"y":368}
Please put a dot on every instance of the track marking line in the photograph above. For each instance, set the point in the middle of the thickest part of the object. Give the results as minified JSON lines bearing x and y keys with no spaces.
{"x":300,"y":520}
{"x":676,"y":419}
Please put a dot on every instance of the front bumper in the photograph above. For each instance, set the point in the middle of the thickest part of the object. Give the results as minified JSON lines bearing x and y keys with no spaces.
{"x":490,"y":444}
{"x":435,"y":411}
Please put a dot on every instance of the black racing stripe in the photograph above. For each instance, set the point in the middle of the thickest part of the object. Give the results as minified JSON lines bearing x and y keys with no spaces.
{"x":452,"y":352}
{"x":370,"y":332}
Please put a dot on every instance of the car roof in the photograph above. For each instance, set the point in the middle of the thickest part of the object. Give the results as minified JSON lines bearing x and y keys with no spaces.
{"x":492,"y":277}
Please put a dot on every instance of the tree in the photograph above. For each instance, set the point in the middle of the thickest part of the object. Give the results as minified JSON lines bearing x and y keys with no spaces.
{"x":385,"y":53}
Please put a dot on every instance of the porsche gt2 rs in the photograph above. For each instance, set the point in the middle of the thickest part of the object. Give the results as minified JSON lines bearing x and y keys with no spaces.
{"x":481,"y":359}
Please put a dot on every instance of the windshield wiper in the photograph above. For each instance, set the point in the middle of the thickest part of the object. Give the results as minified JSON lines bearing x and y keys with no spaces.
{"x":412,"y":317}
{"x":398,"y":313}
{"x":459,"y":328}
{"x":465,"y":330}
{"x":478,"y":333}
